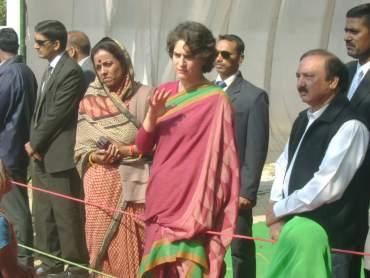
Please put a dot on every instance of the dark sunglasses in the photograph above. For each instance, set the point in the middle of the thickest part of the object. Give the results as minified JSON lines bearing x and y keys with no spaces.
{"x":224,"y":54}
{"x":42,"y":42}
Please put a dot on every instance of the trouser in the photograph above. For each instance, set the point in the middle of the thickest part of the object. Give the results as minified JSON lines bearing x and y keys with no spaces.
{"x":16,"y":206}
{"x":243,"y":252}
{"x":362,"y":240}
{"x":59,"y":223}
{"x":367,"y":250}
{"x":341,"y":265}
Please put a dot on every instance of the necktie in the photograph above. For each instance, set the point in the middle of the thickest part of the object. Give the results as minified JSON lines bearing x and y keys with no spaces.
{"x":221,"y":84}
{"x":46,"y":79}
{"x":355,"y":82}
{"x":41,"y":91}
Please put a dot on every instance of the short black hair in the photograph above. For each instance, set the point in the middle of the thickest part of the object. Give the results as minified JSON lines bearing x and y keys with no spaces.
{"x":9,"y":40}
{"x":360,"y":11}
{"x":198,"y":38}
{"x":53,"y":30}
{"x":333,"y":65}
{"x":240,"y":47}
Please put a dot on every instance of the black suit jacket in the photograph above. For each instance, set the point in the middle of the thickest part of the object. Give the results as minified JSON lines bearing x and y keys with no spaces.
{"x":251,"y":131}
{"x":361,"y":99}
{"x":53,"y":128}
{"x":361,"y":104}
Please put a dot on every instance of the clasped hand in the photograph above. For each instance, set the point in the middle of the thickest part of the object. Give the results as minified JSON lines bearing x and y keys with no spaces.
{"x":110,"y":155}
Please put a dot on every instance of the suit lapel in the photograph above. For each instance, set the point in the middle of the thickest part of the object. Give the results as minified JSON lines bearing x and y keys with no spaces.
{"x":362,"y":90}
{"x":234,"y":88}
{"x":55,"y":73}
{"x":41,"y":97}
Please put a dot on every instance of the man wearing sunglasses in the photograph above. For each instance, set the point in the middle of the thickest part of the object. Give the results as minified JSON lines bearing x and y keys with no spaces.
{"x":58,"y":222}
{"x":252,"y":133}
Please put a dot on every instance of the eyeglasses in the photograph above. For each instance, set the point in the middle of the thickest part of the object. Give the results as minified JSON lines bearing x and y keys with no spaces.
{"x":42,"y":42}
{"x":224,"y":54}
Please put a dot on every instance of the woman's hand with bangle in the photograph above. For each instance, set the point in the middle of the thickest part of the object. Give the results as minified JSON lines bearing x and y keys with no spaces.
{"x":107,"y":156}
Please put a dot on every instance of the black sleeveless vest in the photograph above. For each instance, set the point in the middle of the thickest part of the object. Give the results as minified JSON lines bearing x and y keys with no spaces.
{"x":337,"y":218}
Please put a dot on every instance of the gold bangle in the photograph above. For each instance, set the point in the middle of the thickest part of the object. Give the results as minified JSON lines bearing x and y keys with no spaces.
{"x":90,"y":159}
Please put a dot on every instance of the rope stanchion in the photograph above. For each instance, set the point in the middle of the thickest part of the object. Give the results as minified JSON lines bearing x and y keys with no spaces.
{"x":139,"y":217}
{"x":65,"y":261}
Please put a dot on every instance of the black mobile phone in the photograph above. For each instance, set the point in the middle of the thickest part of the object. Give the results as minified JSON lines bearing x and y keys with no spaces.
{"x":103,"y":143}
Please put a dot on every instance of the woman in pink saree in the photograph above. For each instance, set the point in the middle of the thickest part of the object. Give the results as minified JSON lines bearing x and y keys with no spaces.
{"x":194,"y":181}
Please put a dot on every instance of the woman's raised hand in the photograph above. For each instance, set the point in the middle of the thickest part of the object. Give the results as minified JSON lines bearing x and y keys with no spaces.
{"x":157,"y":103}
{"x":157,"y":108}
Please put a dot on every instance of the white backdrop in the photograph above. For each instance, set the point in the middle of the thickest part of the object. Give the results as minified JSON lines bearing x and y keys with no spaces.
{"x":276,"y":33}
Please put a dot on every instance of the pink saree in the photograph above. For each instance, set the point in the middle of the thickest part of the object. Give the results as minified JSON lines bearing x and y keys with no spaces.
{"x":193,"y":186}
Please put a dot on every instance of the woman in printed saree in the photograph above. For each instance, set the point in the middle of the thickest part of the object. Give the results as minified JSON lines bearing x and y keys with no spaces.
{"x":114,"y":174}
{"x":194,"y":181}
{"x":9,"y":267}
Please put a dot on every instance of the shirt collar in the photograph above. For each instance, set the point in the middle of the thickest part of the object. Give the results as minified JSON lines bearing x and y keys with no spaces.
{"x":56,"y":59}
{"x":312,"y":116}
{"x":83,"y":60}
{"x":228,"y":80}
{"x":364,"y":68}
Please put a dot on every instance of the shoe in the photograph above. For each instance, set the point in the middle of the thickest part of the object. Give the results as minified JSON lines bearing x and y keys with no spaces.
{"x":44,"y":271}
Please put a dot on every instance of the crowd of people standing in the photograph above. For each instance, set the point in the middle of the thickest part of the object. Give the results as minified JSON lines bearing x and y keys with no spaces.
{"x":179,"y":160}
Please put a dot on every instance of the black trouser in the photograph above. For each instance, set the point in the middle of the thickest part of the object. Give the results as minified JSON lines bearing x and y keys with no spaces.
{"x":243,"y":252}
{"x":59,"y":223}
{"x":16,"y":206}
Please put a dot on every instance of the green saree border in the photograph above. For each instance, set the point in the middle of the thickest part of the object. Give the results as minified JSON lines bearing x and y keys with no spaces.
{"x":164,"y":251}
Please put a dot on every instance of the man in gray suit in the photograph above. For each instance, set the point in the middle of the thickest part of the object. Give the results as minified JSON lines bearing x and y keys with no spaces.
{"x":78,"y":48}
{"x":58,"y":222}
{"x":252,"y":132}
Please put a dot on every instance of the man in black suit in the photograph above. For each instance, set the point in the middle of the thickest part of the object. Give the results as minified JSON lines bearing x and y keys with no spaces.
{"x":78,"y":48}
{"x":58,"y":222}
{"x":252,"y":133}
{"x":18,"y":89}
{"x":357,"y":39}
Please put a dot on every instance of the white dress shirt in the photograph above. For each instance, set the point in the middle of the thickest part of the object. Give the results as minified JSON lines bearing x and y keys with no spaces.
{"x":357,"y":78}
{"x":80,"y":63}
{"x":53,"y":64}
{"x":228,"y":80}
{"x":343,"y":157}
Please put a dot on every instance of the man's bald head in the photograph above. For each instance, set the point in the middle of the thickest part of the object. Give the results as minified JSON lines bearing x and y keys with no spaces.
{"x":78,"y":45}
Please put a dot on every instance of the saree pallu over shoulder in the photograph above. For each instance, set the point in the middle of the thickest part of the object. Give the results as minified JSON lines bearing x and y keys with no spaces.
{"x":117,"y":186}
{"x":204,"y":196}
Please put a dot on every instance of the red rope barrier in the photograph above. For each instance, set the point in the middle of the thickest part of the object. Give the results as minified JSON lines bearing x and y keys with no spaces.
{"x":75,"y":199}
{"x":139,"y":217}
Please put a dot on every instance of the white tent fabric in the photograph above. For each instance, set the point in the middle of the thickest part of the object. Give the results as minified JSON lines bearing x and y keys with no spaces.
{"x":276,"y":33}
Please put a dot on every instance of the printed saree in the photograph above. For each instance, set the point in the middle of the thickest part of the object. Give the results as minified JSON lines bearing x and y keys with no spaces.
{"x":193,"y":186}
{"x":301,"y":251}
{"x":114,"y":241}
